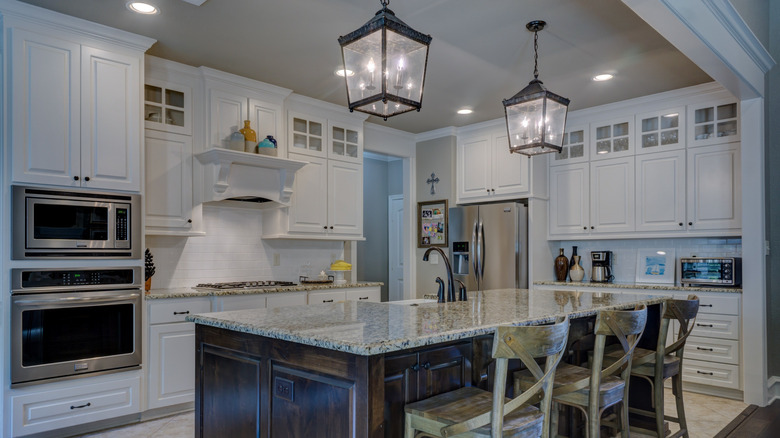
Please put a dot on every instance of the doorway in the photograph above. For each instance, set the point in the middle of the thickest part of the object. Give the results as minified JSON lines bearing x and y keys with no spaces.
{"x":395,"y":267}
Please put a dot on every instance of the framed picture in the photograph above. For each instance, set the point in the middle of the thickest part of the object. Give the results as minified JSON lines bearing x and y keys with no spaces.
{"x":655,"y":266}
{"x":432,"y":223}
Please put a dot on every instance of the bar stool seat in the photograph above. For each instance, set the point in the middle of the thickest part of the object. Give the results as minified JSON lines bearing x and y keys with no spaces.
{"x":610,"y":388}
{"x":644,"y":362}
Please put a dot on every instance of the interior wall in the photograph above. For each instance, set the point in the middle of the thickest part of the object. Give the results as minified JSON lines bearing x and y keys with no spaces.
{"x":233,"y":250}
{"x":372,"y":252}
{"x":772,"y":152}
{"x":433,"y":156}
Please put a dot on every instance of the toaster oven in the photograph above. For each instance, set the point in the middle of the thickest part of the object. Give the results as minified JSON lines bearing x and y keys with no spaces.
{"x":711,"y":271}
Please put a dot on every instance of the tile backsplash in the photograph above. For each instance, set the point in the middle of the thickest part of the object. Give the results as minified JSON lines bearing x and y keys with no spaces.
{"x":625,"y":252}
{"x":233,"y":250}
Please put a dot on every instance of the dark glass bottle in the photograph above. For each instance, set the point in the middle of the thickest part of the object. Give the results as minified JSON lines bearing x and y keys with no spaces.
{"x":573,"y":253}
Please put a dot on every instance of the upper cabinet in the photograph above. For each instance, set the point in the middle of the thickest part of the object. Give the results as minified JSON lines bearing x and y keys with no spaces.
{"x":167,"y":107}
{"x":660,"y":130}
{"x":319,"y":137}
{"x":612,"y":138}
{"x":76,"y":107}
{"x":713,"y":123}
{"x":575,"y":146}
{"x":487,"y":171}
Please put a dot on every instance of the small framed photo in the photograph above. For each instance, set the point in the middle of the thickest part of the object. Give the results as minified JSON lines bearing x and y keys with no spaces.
{"x":655,"y":266}
{"x":432,"y":223}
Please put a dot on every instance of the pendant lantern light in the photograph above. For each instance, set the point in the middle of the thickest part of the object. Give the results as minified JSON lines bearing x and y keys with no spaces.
{"x":535,"y":117}
{"x":386,"y":61}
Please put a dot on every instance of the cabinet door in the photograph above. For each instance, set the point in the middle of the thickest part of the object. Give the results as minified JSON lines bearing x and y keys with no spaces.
{"x":345,"y":198}
{"x":282,"y":300}
{"x":227,"y":114}
{"x":309,"y":204}
{"x":714,"y":187}
{"x":569,"y":199}
{"x":713,"y":123}
{"x":168,"y":172}
{"x":171,"y":368}
{"x":326,"y":297}
{"x":444,"y":369}
{"x":167,"y":107}
{"x":473,"y":168}
{"x":660,"y":131}
{"x":612,"y":195}
{"x":612,"y":138}
{"x":266,"y":119}
{"x":345,"y":142}
{"x":510,"y":172}
{"x":45,"y":121}
{"x":400,"y":389}
{"x":306,"y":134}
{"x":575,"y":147}
{"x":110,"y":120}
{"x":368,"y":294}
{"x":660,"y":191}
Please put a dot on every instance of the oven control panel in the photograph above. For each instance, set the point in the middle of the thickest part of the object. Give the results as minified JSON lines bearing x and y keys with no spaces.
{"x":25,"y":279}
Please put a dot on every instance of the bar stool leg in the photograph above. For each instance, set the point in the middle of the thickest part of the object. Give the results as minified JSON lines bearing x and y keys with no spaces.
{"x":678,"y":398}
{"x":409,"y":430}
{"x":658,"y":401}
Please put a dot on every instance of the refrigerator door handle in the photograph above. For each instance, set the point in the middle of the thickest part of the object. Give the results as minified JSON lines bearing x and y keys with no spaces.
{"x":475,"y":251}
{"x":483,"y":251}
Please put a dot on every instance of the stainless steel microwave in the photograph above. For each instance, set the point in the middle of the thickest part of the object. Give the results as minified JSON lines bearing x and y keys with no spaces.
{"x":711,"y":271}
{"x":51,"y":223}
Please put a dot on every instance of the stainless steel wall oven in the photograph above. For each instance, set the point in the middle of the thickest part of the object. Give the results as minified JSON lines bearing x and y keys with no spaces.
{"x":72,"y":322}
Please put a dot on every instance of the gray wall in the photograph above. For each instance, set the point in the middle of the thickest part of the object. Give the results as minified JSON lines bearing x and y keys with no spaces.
{"x":380,"y":179}
{"x":772,"y":144}
{"x":754,"y":12}
{"x":434,"y":156}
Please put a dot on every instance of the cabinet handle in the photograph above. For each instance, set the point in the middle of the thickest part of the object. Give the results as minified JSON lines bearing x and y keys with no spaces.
{"x":493,"y":190}
{"x":331,"y":227}
{"x":705,"y":349}
{"x":81,"y":406}
{"x":75,"y":177}
{"x":327,"y":301}
{"x":362,"y":298}
{"x":86,"y":178}
{"x":704,"y":325}
{"x":488,"y":190}
{"x":702,"y":372}
{"x":705,"y":305}
{"x":690,"y":223}
{"x":416,"y":367}
{"x":427,"y":365}
{"x":189,"y":221}
{"x":584,"y":228}
{"x":325,"y":227}
{"x":592,"y":227}
{"x":681,"y":224}
{"x":182,"y":313}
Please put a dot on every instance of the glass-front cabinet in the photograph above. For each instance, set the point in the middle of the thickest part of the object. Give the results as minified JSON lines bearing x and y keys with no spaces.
{"x":612,"y":138}
{"x":345,"y":143}
{"x":167,"y":107}
{"x":308,"y":134}
{"x":660,"y":130}
{"x":574,"y":146}
{"x":713,"y":123}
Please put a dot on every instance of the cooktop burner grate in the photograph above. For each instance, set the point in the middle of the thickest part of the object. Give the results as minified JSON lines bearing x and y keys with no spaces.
{"x":244,"y":284}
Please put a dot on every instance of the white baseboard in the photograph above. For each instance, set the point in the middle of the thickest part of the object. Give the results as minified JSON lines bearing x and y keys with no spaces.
{"x":773,"y":389}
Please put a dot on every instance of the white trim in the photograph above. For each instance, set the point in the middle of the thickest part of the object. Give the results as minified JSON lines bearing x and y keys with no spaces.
{"x":275,"y":92}
{"x":773,"y":388}
{"x":739,"y":30}
{"x":327,"y":110}
{"x":388,"y":130}
{"x":436,"y":133}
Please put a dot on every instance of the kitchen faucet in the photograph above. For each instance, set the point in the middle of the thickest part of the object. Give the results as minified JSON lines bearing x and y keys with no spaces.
{"x":450,"y":289}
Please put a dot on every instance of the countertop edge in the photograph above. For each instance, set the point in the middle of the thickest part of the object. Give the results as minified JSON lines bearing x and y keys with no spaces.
{"x":639,"y":286}
{"x":163,"y":294}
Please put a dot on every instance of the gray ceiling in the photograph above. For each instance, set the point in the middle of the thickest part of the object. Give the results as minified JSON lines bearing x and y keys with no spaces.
{"x":481,"y":52}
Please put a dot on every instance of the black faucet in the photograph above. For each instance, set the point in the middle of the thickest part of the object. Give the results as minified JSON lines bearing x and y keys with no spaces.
{"x":462,"y":292}
{"x":450,"y":289}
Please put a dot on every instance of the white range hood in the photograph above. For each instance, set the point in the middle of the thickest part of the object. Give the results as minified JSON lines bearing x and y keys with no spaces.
{"x":241,"y":176}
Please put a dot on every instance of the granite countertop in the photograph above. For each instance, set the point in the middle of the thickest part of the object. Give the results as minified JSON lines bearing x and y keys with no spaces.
{"x":626,"y":285}
{"x":188,"y":292}
{"x":374,"y":328}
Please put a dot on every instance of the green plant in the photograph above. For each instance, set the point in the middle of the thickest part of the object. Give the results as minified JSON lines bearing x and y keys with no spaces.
{"x":148,"y":264}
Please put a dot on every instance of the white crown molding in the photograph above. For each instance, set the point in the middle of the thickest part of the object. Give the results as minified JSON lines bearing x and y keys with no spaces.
{"x":240,"y":81}
{"x":330,"y":109}
{"x":15,"y":13}
{"x":725,"y":12}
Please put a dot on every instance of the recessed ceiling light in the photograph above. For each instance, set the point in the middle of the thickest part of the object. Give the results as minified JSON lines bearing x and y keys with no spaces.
{"x":340,"y":72}
{"x":142,"y":8}
{"x":465,"y":111}
{"x":602,"y":77}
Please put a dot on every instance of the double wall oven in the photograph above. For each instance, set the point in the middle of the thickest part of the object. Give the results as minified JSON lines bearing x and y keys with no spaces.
{"x":73,"y":321}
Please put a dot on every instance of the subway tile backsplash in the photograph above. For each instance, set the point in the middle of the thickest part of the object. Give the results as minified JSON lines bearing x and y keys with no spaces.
{"x":233,"y":250}
{"x":625,"y":252}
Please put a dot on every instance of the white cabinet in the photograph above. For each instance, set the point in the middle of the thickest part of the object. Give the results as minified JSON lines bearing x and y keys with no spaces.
{"x":575,"y":147}
{"x":275,"y":300}
{"x":345,"y":198}
{"x":714,"y":187}
{"x":487,"y":171}
{"x":660,"y":191}
{"x":660,"y":131}
{"x":171,"y":378}
{"x":713,"y":123}
{"x":320,"y":137}
{"x":612,"y":138}
{"x":168,"y":173}
{"x":569,"y":207}
{"x":368,"y":294}
{"x":76,"y":113}
{"x":167,"y":107}
{"x":238,"y":302}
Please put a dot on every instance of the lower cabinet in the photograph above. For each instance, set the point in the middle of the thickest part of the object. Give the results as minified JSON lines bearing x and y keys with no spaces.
{"x":418,"y":375}
{"x":66,"y":404}
{"x":370,"y":294}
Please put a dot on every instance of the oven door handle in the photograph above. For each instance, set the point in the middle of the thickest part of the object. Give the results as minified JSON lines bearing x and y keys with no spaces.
{"x":72,"y":300}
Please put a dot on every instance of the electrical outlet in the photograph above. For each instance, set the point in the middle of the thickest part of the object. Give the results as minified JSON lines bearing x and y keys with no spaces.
{"x":277,"y":259}
{"x":284,"y":388}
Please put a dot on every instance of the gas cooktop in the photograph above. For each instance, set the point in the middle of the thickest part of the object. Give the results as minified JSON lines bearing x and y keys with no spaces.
{"x":245,"y":284}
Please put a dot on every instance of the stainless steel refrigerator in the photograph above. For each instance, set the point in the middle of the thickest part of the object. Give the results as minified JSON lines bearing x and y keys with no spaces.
{"x":489,"y":245}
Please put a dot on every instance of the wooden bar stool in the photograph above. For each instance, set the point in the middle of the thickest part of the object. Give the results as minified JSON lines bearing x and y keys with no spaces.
{"x":474,"y":412}
{"x":595,"y":389}
{"x":664,"y":362}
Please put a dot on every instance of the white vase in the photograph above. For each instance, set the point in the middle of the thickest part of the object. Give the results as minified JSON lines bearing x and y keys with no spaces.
{"x":576,"y":273}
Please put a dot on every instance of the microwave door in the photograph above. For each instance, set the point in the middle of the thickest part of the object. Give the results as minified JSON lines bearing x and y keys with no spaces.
{"x":69,"y":224}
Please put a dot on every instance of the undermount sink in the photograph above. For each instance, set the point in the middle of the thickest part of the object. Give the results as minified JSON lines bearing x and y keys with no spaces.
{"x":413,"y":302}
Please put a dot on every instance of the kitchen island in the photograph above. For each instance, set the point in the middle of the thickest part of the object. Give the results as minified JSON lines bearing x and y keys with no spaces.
{"x":347,"y":369}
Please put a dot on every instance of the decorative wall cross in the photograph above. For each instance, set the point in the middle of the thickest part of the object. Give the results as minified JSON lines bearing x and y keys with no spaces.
{"x":432,"y":180}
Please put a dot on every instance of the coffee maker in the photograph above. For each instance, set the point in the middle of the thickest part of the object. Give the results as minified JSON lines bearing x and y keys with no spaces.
{"x":602,"y":266}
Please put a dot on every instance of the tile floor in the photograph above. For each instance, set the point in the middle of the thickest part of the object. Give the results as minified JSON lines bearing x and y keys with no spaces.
{"x":706,"y":417}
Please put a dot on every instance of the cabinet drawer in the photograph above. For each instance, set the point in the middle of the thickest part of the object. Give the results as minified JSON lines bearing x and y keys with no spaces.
{"x":285,"y":299}
{"x":78,"y":404}
{"x":162,"y":311}
{"x":326,"y":297}
{"x":711,"y":373}
{"x":716,"y":326}
{"x":370,"y":294}
{"x":238,"y":302}
{"x":712,"y":350}
{"x":724,"y":305}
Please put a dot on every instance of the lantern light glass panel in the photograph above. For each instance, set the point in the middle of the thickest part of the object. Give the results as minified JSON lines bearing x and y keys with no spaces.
{"x":537,"y":122}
